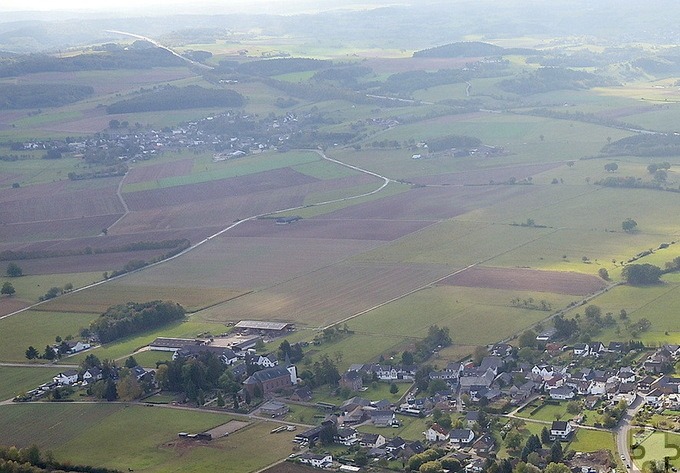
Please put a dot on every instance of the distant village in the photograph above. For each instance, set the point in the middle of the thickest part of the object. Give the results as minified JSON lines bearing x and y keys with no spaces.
{"x":471,"y":408}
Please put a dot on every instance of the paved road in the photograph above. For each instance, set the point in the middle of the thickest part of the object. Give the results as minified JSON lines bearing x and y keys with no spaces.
{"x":159,"y":45}
{"x":623,"y":435}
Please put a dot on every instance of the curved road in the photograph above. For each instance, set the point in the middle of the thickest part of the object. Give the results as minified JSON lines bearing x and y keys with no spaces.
{"x":386,"y":181}
{"x":159,"y":45}
{"x":623,"y":435}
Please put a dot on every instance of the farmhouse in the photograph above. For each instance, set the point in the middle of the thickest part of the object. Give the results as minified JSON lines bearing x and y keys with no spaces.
{"x":270,"y":380}
{"x":66,"y":377}
{"x":351,"y":380}
{"x":263,"y":361}
{"x":562,"y":393}
{"x":77,"y":346}
{"x":560,"y":430}
{"x":309,"y":436}
{"x":346,"y":436}
{"x":92,"y":375}
{"x":372,"y":441}
{"x":461,"y":437}
{"x":317,"y":461}
{"x":436,"y":433}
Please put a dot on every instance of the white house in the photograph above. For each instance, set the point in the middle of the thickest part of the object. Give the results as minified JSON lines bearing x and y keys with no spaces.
{"x":92,"y":375}
{"x":75,"y":347}
{"x":372,"y":440}
{"x":318,"y":461}
{"x":562,"y":393}
{"x":436,"y":433}
{"x":461,"y":437}
{"x":66,"y":377}
{"x":581,"y":349}
{"x":560,"y":430}
{"x":266,"y":361}
{"x":346,"y":436}
{"x":653,"y":397}
{"x":626,"y":375}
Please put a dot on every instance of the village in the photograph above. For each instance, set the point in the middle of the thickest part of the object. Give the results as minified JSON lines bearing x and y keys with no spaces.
{"x":473,"y":412}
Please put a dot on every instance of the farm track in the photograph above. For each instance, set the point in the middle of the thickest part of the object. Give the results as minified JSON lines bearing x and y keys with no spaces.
{"x":119,"y":194}
{"x":386,"y":181}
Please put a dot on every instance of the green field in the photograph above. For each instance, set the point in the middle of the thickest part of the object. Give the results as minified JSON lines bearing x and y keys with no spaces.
{"x":453,"y":307}
{"x":592,"y":440}
{"x":205,"y":170}
{"x":100,"y":298}
{"x":141,"y":438}
{"x":31,"y":287}
{"x":547,"y":413}
{"x":659,"y":304}
{"x":19,"y":380}
{"x":37,"y":329}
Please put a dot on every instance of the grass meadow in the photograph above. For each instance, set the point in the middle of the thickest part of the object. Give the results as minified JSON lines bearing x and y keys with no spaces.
{"x":205,"y":170}
{"x":142,"y":438}
{"x":591,"y":441}
{"x":455,"y":307}
{"x":17,"y":380}
{"x":659,"y":304}
{"x":100,"y":298}
{"x":31,"y":287}
{"x":37,"y":329}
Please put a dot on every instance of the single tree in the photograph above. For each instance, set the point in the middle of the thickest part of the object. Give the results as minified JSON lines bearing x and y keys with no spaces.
{"x":556,"y":453}
{"x":629,"y":225}
{"x":14,"y":270}
{"x":7,"y":289}
{"x":394,"y":389}
{"x":131,"y":362}
{"x":604,"y":274}
{"x":478,"y":355}
{"x":513,"y":440}
{"x":545,"y":436}
{"x":32,"y":353}
{"x":49,"y":353}
{"x":611,"y":167}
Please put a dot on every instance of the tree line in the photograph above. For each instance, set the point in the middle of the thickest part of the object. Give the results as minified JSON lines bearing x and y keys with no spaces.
{"x":133,"y":265}
{"x":32,"y":460}
{"x":471,"y":49}
{"x":9,"y":255}
{"x":18,"y":96}
{"x":127,"y":319}
{"x":274,"y":67}
{"x":130,"y":58}
{"x":644,"y":144}
{"x":547,"y":79}
{"x":177,"y":98}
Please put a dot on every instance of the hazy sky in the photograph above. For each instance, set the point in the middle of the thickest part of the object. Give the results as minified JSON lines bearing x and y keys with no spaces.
{"x":186,"y":6}
{"x":49,"y":5}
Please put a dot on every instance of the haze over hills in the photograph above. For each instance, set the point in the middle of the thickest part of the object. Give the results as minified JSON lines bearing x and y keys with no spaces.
{"x":383,"y":24}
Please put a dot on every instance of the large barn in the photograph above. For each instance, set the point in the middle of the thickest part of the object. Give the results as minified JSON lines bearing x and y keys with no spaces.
{"x":270,"y":329}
